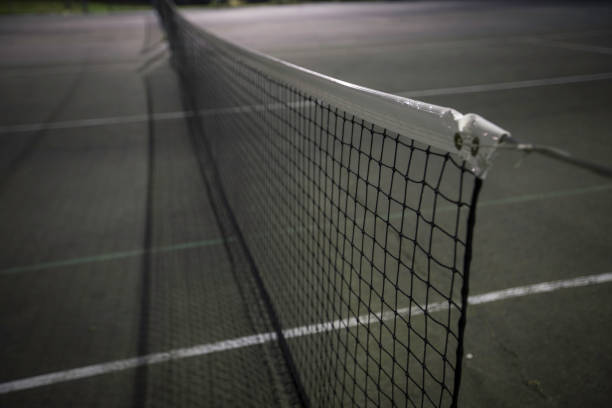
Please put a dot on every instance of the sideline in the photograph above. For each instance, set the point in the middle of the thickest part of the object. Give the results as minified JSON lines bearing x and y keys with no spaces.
{"x":246,"y":341}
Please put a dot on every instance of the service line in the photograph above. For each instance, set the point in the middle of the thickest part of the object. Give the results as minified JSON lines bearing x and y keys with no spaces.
{"x":118,"y":120}
{"x":110,"y":256}
{"x":503,"y":86}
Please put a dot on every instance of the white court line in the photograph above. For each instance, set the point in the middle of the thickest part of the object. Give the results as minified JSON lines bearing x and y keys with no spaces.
{"x":574,"y":34}
{"x":115,"y":120}
{"x":569,"y":45}
{"x":11,"y":72}
{"x":500,"y":86}
{"x":246,"y":341}
{"x":79,"y":123}
{"x":219,"y":241}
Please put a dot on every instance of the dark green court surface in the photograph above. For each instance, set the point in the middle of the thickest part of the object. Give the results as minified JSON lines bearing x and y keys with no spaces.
{"x":111,"y":248}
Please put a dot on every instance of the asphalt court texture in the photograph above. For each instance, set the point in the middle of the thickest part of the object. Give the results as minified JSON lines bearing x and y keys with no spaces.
{"x":111,"y":248}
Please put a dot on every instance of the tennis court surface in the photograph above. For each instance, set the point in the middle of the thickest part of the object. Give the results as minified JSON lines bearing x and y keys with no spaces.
{"x":186,"y":223}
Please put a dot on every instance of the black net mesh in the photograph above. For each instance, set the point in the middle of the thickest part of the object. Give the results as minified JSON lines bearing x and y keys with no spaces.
{"x":357,"y":240}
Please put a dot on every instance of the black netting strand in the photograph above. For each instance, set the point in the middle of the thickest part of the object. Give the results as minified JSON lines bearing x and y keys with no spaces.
{"x":358,"y":240}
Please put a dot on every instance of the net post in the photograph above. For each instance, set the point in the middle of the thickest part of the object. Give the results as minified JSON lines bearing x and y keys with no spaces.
{"x":476,"y":140}
{"x":465,"y":289}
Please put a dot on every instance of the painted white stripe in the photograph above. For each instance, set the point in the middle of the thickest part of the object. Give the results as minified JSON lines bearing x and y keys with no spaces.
{"x":246,"y":341}
{"x":540,"y":288}
{"x":11,"y":72}
{"x":120,"y":365}
{"x":575,"y":34}
{"x":115,"y":120}
{"x":501,"y":86}
{"x":219,"y":241}
{"x":79,"y":123}
{"x":570,"y":46}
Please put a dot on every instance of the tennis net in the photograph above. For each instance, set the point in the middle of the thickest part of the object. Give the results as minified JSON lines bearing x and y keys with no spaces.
{"x":354,"y":212}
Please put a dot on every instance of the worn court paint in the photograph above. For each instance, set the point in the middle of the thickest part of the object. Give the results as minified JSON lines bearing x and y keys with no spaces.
{"x":219,"y":241}
{"x":246,"y":341}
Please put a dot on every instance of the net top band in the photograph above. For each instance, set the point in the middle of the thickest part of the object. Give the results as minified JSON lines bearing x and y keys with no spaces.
{"x":470,"y":136}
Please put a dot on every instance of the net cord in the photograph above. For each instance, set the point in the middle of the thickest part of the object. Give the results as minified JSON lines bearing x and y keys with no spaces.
{"x":557,"y":154}
{"x":430,"y":124}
